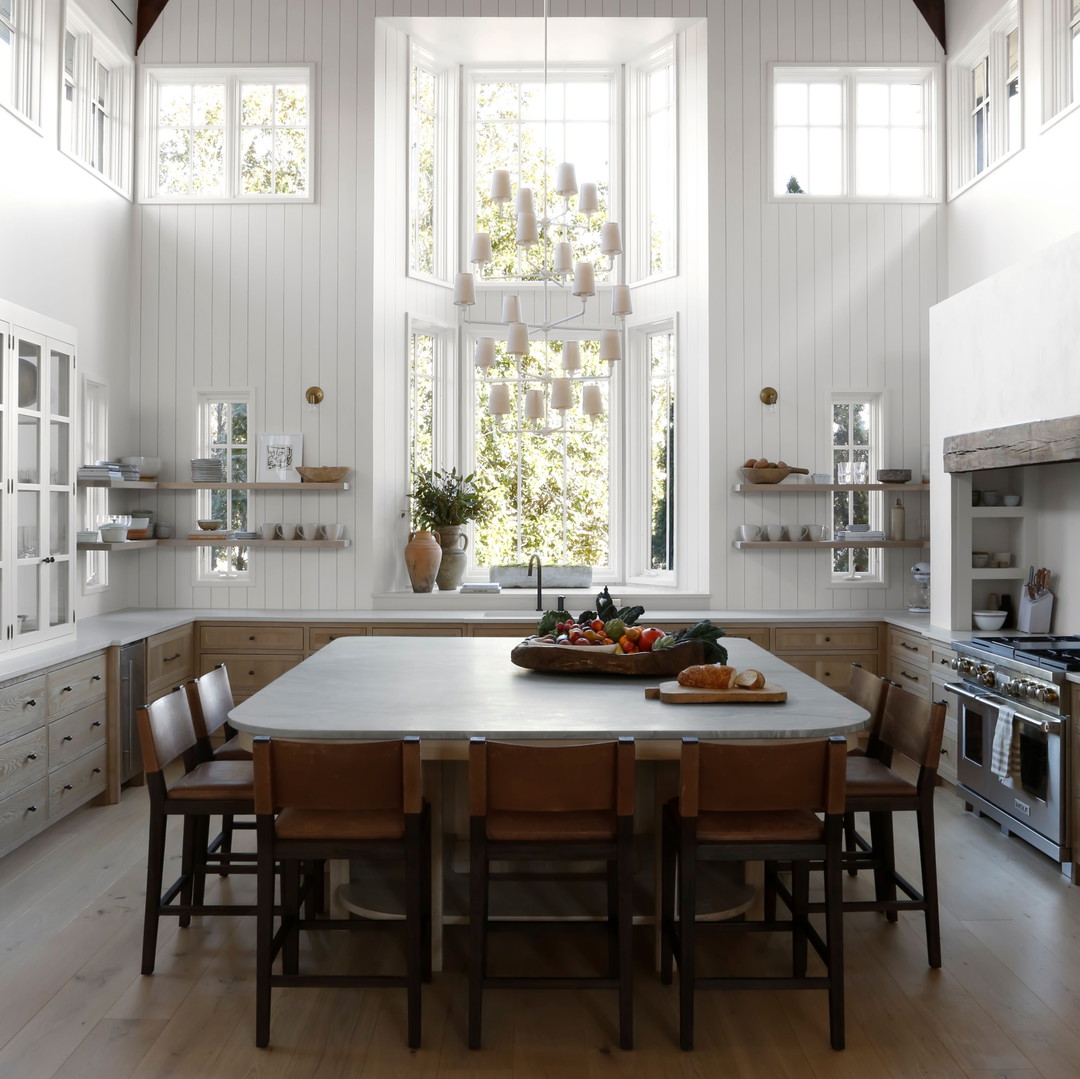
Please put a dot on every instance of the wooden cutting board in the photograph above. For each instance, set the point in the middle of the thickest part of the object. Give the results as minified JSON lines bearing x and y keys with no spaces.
{"x":673,"y":693}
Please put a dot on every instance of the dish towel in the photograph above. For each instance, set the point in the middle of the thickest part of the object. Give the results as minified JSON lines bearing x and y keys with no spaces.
{"x":1005,"y":756}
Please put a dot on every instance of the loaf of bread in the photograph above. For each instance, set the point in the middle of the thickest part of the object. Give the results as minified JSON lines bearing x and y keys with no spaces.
{"x":750,"y":679}
{"x":707,"y":676}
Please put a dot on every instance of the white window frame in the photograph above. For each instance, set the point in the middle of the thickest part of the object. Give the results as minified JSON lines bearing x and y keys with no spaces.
{"x":445,"y":189}
{"x":25,"y":27}
{"x":849,"y":76}
{"x":1060,"y":83}
{"x":875,"y":575}
{"x":204,"y":573}
{"x":78,"y":142}
{"x":638,"y":155}
{"x":991,"y":45}
{"x":446,"y":392}
{"x":95,"y":447}
{"x":232,"y":75}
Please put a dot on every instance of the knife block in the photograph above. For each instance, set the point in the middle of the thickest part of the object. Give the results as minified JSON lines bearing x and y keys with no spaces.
{"x":1034,"y":615}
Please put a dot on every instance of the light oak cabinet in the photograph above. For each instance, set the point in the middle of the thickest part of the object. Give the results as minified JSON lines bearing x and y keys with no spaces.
{"x":826,"y":652}
{"x":170,"y":660}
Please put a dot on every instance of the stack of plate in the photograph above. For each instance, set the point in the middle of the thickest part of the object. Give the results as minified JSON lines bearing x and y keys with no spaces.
{"x":207,"y":470}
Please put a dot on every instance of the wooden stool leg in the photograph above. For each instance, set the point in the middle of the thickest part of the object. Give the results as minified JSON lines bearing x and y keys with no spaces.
{"x":290,"y":915}
{"x":414,"y":928}
{"x":478,"y":888}
{"x":155,"y":869}
{"x":198,"y":869}
{"x":800,"y":897}
{"x":626,"y":933}
{"x":264,"y":937}
{"x":881,"y":840}
{"x":850,"y":845}
{"x":668,"y":869}
{"x":612,"y":894}
{"x":226,"y":840}
{"x":426,"y":897}
{"x":687,"y":911}
{"x":770,"y":892}
{"x":187,"y":869}
{"x":834,"y":929}
{"x":928,"y":860}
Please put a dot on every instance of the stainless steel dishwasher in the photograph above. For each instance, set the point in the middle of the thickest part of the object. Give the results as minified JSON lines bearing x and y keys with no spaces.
{"x":132,"y":696}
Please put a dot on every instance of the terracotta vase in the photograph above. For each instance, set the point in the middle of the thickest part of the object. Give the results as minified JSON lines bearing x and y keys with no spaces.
{"x":454,"y":545}
{"x":422,"y":557}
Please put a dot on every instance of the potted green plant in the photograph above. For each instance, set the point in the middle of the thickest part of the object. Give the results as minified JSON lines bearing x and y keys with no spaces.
{"x":443,"y":503}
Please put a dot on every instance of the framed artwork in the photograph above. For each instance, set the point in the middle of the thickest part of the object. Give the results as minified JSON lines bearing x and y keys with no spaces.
{"x":279,"y":454}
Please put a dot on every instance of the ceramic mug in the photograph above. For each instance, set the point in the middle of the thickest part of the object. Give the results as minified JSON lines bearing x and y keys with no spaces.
{"x":309,"y":531}
{"x":799,"y":532}
{"x":285,"y":532}
{"x":1002,"y":558}
{"x":749,"y":532}
{"x":268,"y":531}
{"x":991,"y":498}
{"x":815,"y":532}
{"x":775,"y":532}
{"x":332,"y":532}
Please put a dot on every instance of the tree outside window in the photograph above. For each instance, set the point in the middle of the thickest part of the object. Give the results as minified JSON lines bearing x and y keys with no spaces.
{"x":224,"y":435}
{"x":855,"y":438}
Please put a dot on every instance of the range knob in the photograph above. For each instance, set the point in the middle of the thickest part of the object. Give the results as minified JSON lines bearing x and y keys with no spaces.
{"x":1046,"y":694}
{"x":1014,"y":687}
{"x":987,"y":677}
{"x":955,"y":663}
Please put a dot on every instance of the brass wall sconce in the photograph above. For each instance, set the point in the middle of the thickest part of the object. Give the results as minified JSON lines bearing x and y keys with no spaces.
{"x":768,"y":396}
{"x":314,"y":395}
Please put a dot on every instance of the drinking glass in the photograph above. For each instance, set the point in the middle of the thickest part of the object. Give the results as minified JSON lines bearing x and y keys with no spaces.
{"x":859,"y":472}
{"x":843,"y":472}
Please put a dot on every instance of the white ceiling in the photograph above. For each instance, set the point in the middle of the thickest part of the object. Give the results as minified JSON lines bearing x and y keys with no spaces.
{"x":470,"y":40}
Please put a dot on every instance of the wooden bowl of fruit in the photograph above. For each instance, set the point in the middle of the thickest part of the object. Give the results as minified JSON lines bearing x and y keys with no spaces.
{"x":762,"y":470}
{"x":536,"y":656}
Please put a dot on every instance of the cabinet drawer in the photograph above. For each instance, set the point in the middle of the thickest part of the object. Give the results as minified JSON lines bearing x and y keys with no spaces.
{"x":74,"y":687}
{"x":71,"y":785}
{"x":320,"y":636}
{"x":941,"y":662}
{"x":249,"y":674}
{"x":170,"y":660}
{"x":947,"y":766}
{"x":910,"y":675}
{"x":254,"y":638}
{"x":759,"y":635}
{"x":518,"y":630}
{"x":73,"y":735}
{"x":418,"y":631}
{"x":832,"y":671}
{"x":22,"y":705}
{"x":825,"y":638}
{"x":909,"y":648}
{"x":23,"y":760}
{"x":23,"y":813}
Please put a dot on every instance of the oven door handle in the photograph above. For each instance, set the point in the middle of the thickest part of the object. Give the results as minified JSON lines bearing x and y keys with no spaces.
{"x":1047,"y":726}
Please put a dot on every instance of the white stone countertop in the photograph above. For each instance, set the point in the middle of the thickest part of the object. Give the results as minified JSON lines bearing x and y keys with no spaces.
{"x":450,"y":688}
{"x":134,"y":623}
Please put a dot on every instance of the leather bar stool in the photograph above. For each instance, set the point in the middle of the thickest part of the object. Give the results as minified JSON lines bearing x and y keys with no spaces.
{"x":210,"y":698}
{"x":320,"y":800}
{"x":913,"y":728}
{"x":868,"y":691}
{"x":552,"y":803}
{"x":752,"y":802}
{"x":209,"y":788}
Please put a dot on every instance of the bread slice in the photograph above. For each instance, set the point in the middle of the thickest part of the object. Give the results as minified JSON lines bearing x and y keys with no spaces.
{"x":750,"y":679}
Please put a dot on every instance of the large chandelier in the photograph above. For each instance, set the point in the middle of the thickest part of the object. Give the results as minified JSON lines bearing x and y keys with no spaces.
{"x":551,"y":240}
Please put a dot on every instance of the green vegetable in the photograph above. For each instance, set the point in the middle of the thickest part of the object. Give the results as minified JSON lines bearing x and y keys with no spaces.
{"x":630,"y":615}
{"x":709,"y":635}
{"x":548,"y":621}
{"x":615,"y":628}
{"x":665,"y":642}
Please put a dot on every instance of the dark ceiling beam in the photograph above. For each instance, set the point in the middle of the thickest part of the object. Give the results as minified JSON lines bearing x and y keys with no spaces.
{"x":933,"y":11}
{"x":147,"y":15}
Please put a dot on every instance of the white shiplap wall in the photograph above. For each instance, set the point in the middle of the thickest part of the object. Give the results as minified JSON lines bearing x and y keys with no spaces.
{"x":806,"y":298}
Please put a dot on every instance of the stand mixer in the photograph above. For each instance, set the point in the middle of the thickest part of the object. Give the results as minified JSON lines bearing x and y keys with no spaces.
{"x":919,"y":589}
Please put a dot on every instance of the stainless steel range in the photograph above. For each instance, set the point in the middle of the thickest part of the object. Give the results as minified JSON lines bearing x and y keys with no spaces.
{"x":1024,"y":676}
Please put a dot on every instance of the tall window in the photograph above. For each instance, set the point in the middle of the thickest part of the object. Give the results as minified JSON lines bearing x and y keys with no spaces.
{"x":856,"y":438}
{"x":853,"y":132}
{"x":20,"y":57}
{"x":429,"y":179}
{"x":223,"y":433}
{"x":984,"y":100}
{"x":662,"y":419}
{"x":217,"y":134}
{"x":95,"y":447}
{"x":422,"y":348}
{"x":96,"y":108}
{"x":1061,"y":56}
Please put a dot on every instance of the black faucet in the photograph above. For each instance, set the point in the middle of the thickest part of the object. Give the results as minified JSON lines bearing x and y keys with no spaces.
{"x":539,"y":579}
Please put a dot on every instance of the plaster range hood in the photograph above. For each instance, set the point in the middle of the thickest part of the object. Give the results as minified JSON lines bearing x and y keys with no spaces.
{"x":1040,"y":442}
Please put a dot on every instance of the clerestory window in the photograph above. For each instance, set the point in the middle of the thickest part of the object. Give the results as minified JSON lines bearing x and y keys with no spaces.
{"x":20,"y":58}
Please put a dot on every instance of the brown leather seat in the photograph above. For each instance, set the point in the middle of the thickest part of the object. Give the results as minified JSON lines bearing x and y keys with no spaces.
{"x":552,"y":803}
{"x":914,"y":728}
{"x":738,"y":802}
{"x":320,"y":800}
{"x":166,"y":734}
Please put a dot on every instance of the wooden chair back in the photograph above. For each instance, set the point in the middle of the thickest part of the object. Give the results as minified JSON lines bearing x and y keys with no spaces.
{"x":913,"y":726}
{"x":348,"y":776}
{"x":211,"y":700}
{"x":868,"y":691}
{"x":509,"y":778}
{"x":166,"y":730}
{"x":738,"y":776}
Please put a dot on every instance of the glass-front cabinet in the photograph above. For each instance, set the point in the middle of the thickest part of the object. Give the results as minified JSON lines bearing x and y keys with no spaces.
{"x":37,"y":502}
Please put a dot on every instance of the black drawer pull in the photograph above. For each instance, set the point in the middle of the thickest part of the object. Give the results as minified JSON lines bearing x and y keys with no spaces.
{"x":827,"y":639}
{"x":67,"y":786}
{"x":826,"y":674}
{"x":251,"y":638}
{"x":66,"y":689}
{"x":66,"y":738}
{"x":169,"y":659}
{"x":95,"y":771}
{"x":31,"y":703}
{"x":96,"y":723}
{"x":96,"y":678}
{"x":31,"y":756}
{"x":252,"y":673}
{"x":31,"y":809}
{"x":909,"y":647}
{"x":910,"y":677}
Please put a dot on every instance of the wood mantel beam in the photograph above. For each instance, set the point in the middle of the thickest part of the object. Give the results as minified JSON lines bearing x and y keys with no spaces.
{"x":1041,"y":442}
{"x":933,"y":11}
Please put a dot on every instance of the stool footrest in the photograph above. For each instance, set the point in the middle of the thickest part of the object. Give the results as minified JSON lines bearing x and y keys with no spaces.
{"x":552,"y":982}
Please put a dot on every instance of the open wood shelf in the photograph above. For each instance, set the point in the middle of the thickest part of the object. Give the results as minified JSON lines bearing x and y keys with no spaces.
{"x":282,"y":544}
{"x":834,"y":545}
{"x":123,"y":545}
{"x":174,"y":485}
{"x":986,"y":573}
{"x":805,"y":488}
{"x":123,"y":485}
{"x":999,"y":511}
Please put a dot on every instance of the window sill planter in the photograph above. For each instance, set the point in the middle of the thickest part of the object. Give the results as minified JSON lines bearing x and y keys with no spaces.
{"x":554,"y":576}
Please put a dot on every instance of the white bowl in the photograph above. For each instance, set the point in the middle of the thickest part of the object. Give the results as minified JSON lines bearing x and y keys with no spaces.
{"x":113,"y":533}
{"x":989,"y":619}
{"x":140,"y":522}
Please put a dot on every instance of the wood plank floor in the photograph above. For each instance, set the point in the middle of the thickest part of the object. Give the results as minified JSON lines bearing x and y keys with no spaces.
{"x":1006,"y":1004}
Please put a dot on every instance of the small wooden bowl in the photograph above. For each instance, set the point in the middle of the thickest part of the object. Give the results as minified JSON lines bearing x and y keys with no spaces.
{"x":322,"y":473}
{"x":770,"y":475}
